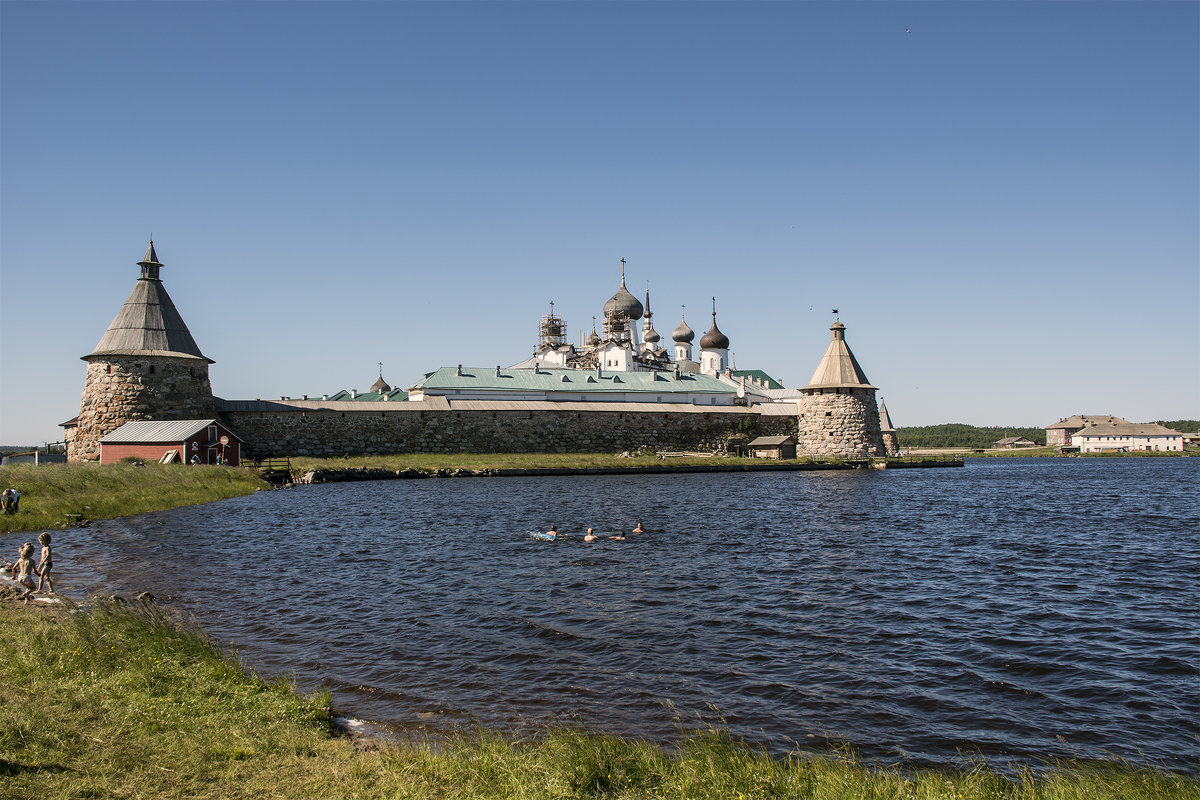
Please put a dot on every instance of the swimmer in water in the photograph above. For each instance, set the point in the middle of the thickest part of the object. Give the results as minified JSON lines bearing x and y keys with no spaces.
{"x":639,"y":528}
{"x":590,"y":537}
{"x":553,"y":532}
{"x":620,"y":537}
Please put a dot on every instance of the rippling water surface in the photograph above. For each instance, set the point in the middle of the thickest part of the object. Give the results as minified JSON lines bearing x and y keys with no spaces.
{"x":1014,"y":608}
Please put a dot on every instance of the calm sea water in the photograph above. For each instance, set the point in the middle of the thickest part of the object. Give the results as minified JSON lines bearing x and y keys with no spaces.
{"x":1015,"y":608}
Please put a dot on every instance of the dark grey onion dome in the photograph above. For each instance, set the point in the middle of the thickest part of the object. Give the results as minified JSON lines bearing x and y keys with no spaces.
{"x":714,"y":339}
{"x":623,"y":303}
{"x":380,"y":386}
{"x":651,"y":336}
{"x":683,"y":333}
{"x":593,"y":338}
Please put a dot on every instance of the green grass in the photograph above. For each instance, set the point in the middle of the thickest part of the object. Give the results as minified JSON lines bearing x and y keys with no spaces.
{"x":119,"y":701}
{"x":50,"y":492}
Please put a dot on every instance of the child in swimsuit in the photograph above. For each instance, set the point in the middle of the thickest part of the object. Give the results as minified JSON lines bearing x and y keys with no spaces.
{"x":45,"y":564}
{"x":23,"y":570}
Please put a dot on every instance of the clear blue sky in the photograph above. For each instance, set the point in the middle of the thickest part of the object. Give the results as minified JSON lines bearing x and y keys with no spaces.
{"x":1003,"y":203}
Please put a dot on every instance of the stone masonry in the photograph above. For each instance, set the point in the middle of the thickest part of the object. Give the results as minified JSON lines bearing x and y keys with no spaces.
{"x":841,"y":424}
{"x":120,"y":389}
{"x":292,"y":431}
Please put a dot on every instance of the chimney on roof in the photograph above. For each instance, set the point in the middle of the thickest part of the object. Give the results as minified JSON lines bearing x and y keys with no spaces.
{"x":353,"y":393}
{"x":459,"y":372}
{"x":497,"y":370}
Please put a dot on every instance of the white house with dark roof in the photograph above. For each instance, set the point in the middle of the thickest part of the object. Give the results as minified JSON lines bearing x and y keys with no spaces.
{"x":1125,"y":437}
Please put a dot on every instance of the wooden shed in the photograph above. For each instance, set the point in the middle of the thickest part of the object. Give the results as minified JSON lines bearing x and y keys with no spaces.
{"x":189,"y":441}
{"x":773,"y":447}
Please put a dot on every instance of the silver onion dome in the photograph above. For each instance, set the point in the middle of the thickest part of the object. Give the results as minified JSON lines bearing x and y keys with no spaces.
{"x":624,"y":304}
{"x":683,"y":333}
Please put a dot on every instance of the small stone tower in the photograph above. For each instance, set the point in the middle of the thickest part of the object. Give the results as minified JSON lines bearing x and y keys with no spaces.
{"x":838,"y":414}
{"x":891,"y":443}
{"x":147,"y":366}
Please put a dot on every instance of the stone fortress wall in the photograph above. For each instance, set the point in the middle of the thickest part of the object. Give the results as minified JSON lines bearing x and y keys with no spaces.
{"x":278,"y":429}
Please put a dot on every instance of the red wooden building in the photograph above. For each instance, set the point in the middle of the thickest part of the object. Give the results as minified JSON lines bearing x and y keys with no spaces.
{"x":188,"y":441}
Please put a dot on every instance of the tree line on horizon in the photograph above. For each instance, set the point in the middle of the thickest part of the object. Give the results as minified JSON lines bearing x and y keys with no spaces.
{"x":956,"y":434}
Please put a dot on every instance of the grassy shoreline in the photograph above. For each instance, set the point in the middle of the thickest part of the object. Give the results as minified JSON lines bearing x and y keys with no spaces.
{"x":120,"y":700}
{"x":52,"y":492}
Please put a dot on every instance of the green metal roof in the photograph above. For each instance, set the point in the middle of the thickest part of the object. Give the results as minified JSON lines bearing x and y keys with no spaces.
{"x":764,"y":378}
{"x":568,"y":380}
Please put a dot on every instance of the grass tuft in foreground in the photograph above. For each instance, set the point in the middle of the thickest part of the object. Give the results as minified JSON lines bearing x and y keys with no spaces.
{"x":49,"y":492}
{"x":121,"y":701}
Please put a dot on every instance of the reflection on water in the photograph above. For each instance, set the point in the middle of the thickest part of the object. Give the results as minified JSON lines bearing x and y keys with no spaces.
{"x":1016,"y":608}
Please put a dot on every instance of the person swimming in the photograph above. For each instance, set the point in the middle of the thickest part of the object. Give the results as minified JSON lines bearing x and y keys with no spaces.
{"x":620,"y":537}
{"x":639,"y":528}
{"x":590,"y":536}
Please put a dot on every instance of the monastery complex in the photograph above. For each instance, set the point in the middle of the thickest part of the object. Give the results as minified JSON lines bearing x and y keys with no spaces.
{"x":621,"y":388}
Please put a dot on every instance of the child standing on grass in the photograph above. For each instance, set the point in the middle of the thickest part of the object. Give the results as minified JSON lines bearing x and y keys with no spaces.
{"x":22,"y":571}
{"x":45,"y":564}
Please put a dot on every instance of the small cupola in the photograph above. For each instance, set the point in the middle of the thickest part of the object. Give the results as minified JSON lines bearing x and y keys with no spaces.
{"x":150,"y":264}
{"x":683,"y":333}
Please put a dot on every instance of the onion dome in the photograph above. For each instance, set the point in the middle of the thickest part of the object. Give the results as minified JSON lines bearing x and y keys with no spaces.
{"x":714,"y":339}
{"x":650,"y":336}
{"x":380,"y":386}
{"x":623,"y":302}
{"x":593,"y":338}
{"x":683,"y":333}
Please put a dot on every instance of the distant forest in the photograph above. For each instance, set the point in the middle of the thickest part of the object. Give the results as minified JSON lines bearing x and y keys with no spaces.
{"x":958,"y":435}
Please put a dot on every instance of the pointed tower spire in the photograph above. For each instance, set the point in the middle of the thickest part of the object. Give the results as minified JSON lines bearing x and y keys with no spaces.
{"x":148,"y":323}
{"x":150,"y":264}
{"x":885,"y":421}
{"x":838,"y":368}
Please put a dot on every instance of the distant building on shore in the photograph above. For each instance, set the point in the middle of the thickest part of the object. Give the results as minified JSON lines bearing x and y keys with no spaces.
{"x":1126,"y":437}
{"x":1059,"y":434}
{"x":1013,"y":443}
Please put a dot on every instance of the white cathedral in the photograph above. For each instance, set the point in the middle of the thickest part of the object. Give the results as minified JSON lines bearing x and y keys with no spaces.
{"x":619,"y":348}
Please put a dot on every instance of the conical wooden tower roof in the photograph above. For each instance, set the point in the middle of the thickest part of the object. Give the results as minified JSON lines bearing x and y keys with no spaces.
{"x":885,"y":422}
{"x":838,"y":368}
{"x":148,"y":324}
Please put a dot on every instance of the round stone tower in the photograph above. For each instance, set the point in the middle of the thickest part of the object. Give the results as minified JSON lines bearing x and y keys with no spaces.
{"x":147,"y":366}
{"x":838,"y":414}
